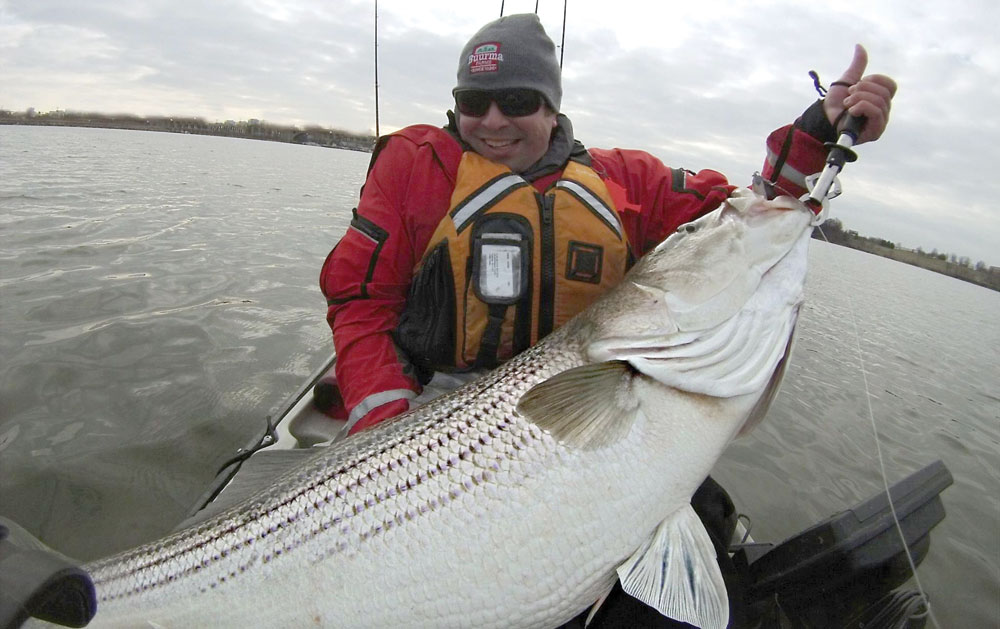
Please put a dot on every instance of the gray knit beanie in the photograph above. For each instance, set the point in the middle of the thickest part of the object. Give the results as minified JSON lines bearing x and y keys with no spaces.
{"x":513,"y":51}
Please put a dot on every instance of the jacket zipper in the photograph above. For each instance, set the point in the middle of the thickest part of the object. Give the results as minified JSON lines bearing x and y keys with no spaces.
{"x":546,"y":307}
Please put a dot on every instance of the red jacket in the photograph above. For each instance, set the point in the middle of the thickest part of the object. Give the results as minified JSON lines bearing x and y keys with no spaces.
{"x":408,"y":190}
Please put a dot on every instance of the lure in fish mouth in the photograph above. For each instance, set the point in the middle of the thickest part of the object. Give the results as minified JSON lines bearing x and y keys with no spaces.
{"x":518,"y":500}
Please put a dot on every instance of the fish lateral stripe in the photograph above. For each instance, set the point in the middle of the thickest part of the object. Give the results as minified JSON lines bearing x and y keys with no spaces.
{"x":278,"y":520}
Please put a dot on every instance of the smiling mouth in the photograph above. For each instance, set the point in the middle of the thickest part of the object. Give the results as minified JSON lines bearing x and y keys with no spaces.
{"x":499,"y":144}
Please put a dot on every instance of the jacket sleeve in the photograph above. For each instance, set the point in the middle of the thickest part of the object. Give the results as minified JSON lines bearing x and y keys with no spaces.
{"x":792,"y":154}
{"x":658,"y":199}
{"x":365,"y":280}
{"x":661,"y":199}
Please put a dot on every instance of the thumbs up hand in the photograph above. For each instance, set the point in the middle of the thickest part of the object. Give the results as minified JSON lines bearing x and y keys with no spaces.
{"x":869,"y":96}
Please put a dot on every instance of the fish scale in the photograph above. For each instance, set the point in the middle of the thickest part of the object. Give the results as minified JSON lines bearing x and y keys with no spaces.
{"x":494,"y":506}
{"x":437,"y":456}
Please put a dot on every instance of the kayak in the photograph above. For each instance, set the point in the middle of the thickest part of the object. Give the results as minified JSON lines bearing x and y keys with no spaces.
{"x":849,"y":570}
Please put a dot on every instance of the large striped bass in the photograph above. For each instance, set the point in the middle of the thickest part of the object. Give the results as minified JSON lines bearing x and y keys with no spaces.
{"x":517,"y":500}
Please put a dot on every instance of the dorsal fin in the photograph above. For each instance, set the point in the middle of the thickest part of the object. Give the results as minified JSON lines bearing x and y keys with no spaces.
{"x":256,"y":474}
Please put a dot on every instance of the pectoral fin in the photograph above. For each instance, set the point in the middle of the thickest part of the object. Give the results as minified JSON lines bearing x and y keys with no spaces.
{"x":587,"y":407}
{"x":676,"y":572}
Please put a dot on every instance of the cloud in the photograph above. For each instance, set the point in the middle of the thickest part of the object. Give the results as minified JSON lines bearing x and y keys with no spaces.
{"x":698,"y":85}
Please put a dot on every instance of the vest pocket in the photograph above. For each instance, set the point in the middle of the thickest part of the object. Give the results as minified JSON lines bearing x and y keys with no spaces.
{"x":499,"y":279}
{"x":426,"y":330}
{"x":501,"y":263}
{"x":584,"y":262}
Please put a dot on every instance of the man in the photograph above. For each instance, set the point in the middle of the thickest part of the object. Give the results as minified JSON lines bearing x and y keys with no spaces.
{"x":472,"y":242}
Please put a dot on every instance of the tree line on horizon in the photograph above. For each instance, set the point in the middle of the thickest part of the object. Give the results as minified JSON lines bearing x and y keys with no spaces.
{"x":252,"y":129}
{"x":960,"y":267}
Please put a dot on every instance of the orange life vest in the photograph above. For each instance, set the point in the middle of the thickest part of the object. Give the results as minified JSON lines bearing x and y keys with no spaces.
{"x":517,"y":264}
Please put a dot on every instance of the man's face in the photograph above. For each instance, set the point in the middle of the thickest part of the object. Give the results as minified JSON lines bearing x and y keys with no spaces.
{"x":514,"y":141}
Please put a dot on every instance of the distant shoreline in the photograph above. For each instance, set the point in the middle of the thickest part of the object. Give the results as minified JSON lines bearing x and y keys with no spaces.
{"x":251,"y":130}
{"x":833,"y":232}
{"x":950,"y":265}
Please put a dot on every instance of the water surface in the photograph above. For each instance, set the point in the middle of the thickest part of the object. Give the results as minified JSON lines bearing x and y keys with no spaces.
{"x":158,"y":298}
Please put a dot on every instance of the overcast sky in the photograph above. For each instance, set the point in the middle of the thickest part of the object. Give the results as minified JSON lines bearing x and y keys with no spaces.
{"x":699,"y":84}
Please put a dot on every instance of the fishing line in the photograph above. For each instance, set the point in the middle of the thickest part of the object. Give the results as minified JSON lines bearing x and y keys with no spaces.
{"x":885,"y":478}
{"x":881,"y":461}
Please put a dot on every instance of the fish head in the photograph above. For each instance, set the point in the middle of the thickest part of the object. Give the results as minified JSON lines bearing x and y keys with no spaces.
{"x":712,"y":307}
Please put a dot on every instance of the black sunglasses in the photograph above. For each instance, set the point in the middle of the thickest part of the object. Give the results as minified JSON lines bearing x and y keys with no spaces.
{"x":514,"y":102}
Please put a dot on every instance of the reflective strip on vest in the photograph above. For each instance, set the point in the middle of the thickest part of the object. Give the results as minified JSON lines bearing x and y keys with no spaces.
{"x":607,"y":214}
{"x":490,"y":193}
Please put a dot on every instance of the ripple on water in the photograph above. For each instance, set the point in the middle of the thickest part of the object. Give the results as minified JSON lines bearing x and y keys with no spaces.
{"x":137,"y":257}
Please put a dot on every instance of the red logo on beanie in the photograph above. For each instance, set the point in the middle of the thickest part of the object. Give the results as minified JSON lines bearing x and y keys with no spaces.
{"x":485,"y":58}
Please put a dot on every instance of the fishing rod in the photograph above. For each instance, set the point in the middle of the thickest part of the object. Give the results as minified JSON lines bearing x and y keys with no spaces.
{"x":376,"y":69}
{"x":562,"y":41}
